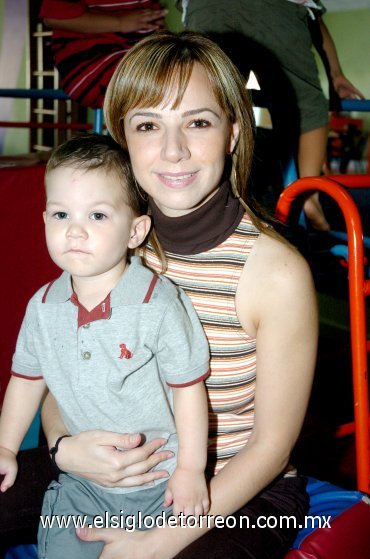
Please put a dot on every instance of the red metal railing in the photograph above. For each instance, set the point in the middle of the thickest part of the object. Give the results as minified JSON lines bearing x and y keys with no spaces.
{"x":359,"y":288}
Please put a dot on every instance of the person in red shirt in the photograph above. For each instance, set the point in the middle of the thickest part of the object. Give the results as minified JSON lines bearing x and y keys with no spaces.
{"x":91,"y":36}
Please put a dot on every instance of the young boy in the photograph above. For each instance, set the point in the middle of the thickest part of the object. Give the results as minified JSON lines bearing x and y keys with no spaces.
{"x":120,"y":348}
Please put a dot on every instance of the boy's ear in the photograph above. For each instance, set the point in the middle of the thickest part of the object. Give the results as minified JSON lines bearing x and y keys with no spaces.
{"x":139,"y":230}
{"x":44,"y":216}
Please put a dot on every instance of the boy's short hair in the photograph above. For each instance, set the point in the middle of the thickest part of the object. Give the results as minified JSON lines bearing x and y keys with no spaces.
{"x":96,"y":151}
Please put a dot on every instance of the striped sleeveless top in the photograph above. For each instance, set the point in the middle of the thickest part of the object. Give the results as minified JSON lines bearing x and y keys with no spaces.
{"x":211,"y":279}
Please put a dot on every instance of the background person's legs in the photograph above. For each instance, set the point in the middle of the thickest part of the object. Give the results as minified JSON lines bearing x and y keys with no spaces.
{"x":311,"y":157}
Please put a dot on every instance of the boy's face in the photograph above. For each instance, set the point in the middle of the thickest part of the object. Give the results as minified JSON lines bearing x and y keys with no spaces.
{"x":88,"y":224}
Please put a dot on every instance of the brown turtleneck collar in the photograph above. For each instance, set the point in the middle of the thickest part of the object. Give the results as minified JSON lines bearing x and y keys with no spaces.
{"x":204,"y":228}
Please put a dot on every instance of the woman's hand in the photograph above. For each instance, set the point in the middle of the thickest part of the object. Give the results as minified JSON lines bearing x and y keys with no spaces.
{"x":94,"y":455}
{"x":134,"y":545}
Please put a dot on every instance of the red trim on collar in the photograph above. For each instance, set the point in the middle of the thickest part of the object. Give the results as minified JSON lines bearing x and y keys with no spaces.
{"x":47,"y":291}
{"x":13,"y":374}
{"x":100,"y":312}
{"x":151,"y":289}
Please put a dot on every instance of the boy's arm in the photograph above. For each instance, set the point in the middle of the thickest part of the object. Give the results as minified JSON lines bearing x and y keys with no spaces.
{"x":187,"y":487}
{"x":22,"y":399}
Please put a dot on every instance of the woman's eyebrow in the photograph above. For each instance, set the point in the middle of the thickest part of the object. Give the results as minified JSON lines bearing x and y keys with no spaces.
{"x":147,"y":114}
{"x":192,"y":112}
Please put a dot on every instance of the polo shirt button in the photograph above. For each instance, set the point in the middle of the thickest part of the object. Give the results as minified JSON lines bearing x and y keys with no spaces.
{"x":86,"y":325}
{"x":86,"y":355}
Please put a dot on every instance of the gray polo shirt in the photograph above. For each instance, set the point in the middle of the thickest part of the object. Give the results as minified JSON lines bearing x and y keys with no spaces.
{"x":115,"y":372}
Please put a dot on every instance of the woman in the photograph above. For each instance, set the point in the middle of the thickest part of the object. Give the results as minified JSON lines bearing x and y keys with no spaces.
{"x":181,"y":108}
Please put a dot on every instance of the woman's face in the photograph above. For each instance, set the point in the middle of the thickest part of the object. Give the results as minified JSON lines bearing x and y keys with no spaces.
{"x":178,"y":155}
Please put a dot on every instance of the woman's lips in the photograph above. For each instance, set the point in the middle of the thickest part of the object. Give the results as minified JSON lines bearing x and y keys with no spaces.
{"x":177,"y":180}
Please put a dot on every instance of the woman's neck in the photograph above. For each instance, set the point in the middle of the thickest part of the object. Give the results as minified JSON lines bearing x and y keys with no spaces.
{"x":204,"y":228}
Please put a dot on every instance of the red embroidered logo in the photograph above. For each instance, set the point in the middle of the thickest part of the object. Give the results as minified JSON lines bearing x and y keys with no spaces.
{"x":125,"y":353}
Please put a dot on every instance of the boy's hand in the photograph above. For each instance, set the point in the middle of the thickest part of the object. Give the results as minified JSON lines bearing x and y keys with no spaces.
{"x":8,"y":468}
{"x":188,"y":492}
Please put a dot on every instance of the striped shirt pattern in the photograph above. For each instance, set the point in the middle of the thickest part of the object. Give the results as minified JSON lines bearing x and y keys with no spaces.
{"x":211,"y":279}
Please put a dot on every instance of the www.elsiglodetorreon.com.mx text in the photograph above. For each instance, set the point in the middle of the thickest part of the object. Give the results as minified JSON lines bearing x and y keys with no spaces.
{"x":145,"y":522}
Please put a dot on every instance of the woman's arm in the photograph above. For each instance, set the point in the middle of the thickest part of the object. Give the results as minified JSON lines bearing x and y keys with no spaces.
{"x":94,"y":455}
{"x":128,"y":22}
{"x":276,"y":303}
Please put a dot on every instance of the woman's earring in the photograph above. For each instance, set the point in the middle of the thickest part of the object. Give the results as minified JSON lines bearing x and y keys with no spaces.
{"x":234,"y":179}
{"x":140,"y":191}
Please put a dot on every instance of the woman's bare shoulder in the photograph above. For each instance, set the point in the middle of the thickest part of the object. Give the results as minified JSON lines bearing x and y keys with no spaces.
{"x":275,"y":275}
{"x":276,"y":260}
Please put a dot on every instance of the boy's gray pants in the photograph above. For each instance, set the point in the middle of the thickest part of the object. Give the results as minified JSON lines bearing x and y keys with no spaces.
{"x":73,"y":501}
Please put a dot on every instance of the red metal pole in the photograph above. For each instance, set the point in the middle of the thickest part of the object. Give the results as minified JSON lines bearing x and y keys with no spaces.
{"x":358,"y":289}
